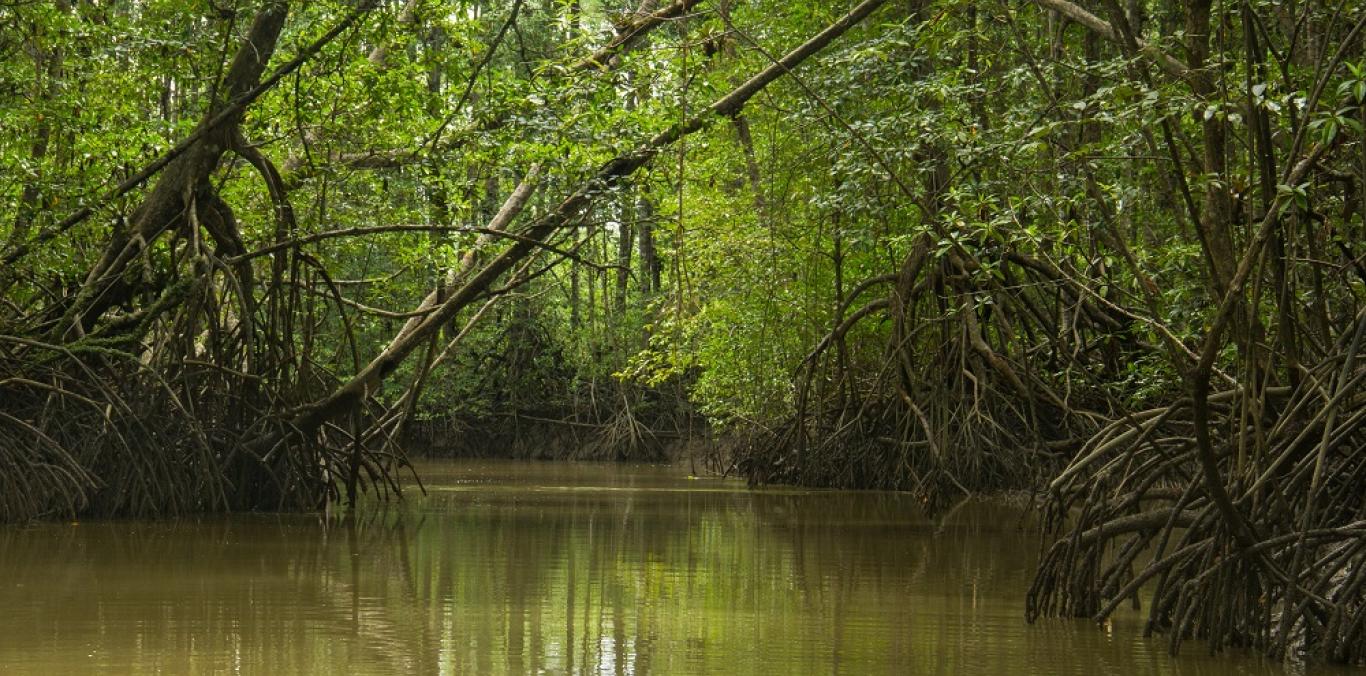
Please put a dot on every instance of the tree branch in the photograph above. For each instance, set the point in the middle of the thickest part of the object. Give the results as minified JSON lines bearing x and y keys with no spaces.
{"x":1166,"y":62}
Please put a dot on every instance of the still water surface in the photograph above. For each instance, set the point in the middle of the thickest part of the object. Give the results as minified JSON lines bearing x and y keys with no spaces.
{"x":509,"y":567}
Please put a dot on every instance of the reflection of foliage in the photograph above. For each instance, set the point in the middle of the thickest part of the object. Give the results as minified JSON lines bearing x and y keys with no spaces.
{"x":556,"y":568}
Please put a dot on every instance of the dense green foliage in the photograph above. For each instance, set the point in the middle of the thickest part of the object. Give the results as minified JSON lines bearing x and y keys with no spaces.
{"x":943,"y":247}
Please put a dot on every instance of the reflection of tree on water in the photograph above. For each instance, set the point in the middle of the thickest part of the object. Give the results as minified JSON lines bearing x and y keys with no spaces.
{"x":197,"y":596}
{"x":641,"y":573}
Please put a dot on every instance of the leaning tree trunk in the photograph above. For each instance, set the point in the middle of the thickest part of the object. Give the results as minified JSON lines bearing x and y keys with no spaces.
{"x":183,"y":193}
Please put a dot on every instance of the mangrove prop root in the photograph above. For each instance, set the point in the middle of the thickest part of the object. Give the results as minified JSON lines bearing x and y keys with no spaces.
{"x":1296,"y":592}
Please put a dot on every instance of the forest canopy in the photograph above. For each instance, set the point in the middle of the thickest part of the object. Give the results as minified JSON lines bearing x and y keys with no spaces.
{"x":251,"y":252}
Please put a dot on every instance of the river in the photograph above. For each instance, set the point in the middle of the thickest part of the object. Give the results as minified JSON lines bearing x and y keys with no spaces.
{"x":558,"y":568}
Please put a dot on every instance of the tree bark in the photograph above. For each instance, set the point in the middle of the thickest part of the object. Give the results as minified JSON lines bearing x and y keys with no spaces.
{"x":649,"y":258}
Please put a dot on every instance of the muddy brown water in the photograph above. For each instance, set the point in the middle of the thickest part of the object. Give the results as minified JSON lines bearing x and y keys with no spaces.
{"x":557,"y":568}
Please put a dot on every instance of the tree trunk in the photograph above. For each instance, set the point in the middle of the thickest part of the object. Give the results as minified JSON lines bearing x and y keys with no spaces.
{"x":183,"y":184}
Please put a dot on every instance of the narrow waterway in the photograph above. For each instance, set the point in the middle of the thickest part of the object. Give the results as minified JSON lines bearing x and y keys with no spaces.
{"x":519,"y":568}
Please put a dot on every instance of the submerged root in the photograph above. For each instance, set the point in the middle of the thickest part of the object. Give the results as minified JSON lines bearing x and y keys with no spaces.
{"x":175,"y":410}
{"x":976,"y":388}
{"x":1132,"y":511}
{"x":73,"y":445}
{"x":137,"y":445}
{"x":623,"y":437}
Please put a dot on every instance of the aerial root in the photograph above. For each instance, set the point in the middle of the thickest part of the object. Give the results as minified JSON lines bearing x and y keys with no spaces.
{"x":975,"y":390}
{"x":1134,"y":493}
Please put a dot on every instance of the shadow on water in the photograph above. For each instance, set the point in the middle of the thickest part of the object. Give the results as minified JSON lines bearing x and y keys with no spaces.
{"x":520,"y":567}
